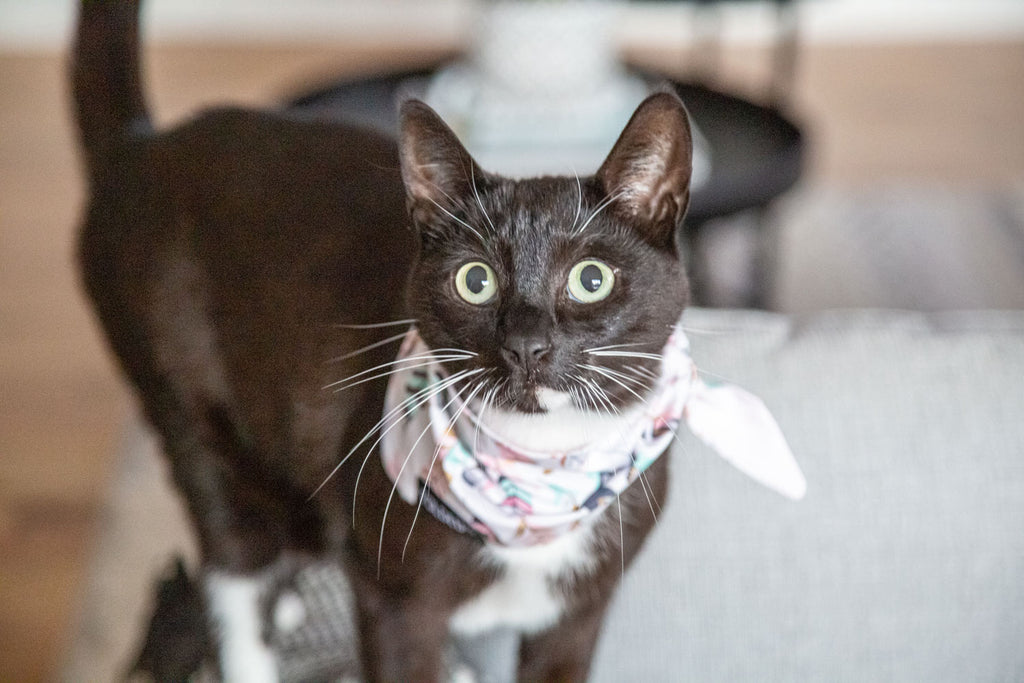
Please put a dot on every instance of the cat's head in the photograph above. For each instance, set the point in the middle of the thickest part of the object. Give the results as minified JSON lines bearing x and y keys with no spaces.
{"x":545,"y":279}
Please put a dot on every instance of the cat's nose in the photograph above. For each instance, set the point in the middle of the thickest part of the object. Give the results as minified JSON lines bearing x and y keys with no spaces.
{"x":526,"y":336}
{"x":525,"y":350}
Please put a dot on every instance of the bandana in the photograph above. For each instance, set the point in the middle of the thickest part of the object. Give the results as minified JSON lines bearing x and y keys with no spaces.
{"x":443,"y":457}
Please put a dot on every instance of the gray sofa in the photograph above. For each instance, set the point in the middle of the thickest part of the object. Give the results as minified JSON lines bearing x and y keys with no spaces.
{"x":905,"y":561}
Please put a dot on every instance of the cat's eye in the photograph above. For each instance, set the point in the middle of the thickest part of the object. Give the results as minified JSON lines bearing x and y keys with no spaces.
{"x":590,"y":281}
{"x":475,"y":282}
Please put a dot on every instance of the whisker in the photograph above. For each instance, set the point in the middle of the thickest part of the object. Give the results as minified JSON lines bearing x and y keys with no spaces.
{"x":372,"y":326}
{"x":380,"y":423}
{"x":621,"y":375}
{"x":459,"y":220}
{"x":393,"y":371}
{"x":697,"y":330}
{"x":499,"y":400}
{"x":605,"y":398}
{"x":616,"y":346}
{"x":708,"y":373}
{"x":580,"y":388}
{"x":644,"y":484}
{"x":622,"y":536}
{"x":579,"y":203}
{"x":584,"y":402}
{"x":652,"y":501}
{"x":440,"y":189}
{"x":476,"y":193}
{"x":648,"y":493}
{"x":488,"y":397}
{"x":627,"y":354}
{"x":600,"y":395}
{"x":369,"y":347}
{"x":448,"y":354}
{"x":440,"y":387}
{"x":601,"y":207}
{"x":577,"y":399}
{"x":394,"y":488}
{"x":595,"y":389}
{"x":430,"y":470}
{"x":607,"y":373}
{"x":643,"y":371}
{"x":569,"y":389}
{"x":502,"y":395}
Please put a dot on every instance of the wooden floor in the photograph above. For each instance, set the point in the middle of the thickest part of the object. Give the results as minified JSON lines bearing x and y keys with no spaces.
{"x":954,"y":114}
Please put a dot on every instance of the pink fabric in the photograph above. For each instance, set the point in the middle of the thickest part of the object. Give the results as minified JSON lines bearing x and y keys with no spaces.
{"x":516,"y":497}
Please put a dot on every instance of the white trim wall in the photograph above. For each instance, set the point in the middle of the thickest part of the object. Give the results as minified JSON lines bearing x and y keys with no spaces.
{"x":46,"y":24}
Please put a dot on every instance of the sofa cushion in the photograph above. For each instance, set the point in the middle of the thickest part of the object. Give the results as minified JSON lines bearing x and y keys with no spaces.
{"x":904,"y":562}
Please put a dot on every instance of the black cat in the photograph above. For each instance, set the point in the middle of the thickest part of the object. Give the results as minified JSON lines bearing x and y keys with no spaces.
{"x":240,"y":262}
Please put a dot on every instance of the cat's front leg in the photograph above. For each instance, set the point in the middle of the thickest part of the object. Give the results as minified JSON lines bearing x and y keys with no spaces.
{"x":563,"y":652}
{"x":235,"y":606}
{"x":242,"y":532}
{"x":400,"y":640}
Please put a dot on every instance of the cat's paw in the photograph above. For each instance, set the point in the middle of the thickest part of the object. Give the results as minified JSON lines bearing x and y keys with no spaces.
{"x":234,"y":606}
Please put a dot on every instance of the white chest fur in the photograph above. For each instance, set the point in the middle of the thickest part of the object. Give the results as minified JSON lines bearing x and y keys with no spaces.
{"x":562,"y":427}
{"x":526,"y":597}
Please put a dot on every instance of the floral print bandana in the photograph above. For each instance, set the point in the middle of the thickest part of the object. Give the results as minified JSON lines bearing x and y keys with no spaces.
{"x":442,"y":457}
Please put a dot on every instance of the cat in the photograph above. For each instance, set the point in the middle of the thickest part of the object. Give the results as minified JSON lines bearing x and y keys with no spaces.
{"x":245,"y":263}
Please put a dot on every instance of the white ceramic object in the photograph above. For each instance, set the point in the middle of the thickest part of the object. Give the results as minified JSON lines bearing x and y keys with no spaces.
{"x":542,"y":90}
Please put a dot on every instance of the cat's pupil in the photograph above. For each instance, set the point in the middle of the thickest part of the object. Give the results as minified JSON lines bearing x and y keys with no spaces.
{"x":591,"y":278}
{"x":476,"y":279}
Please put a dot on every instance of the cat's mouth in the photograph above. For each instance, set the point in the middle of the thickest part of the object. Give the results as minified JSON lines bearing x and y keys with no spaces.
{"x":551,"y":399}
{"x":524,"y":401}
{"x":533,"y":398}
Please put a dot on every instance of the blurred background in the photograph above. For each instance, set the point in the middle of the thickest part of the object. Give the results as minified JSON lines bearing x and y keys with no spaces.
{"x":909,"y":193}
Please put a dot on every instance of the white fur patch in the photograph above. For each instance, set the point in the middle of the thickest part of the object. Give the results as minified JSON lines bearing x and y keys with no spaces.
{"x":289,"y":612}
{"x":525,"y":598}
{"x":562,"y":427}
{"x":462,"y":673}
{"x":552,"y":399}
{"x":234,"y":603}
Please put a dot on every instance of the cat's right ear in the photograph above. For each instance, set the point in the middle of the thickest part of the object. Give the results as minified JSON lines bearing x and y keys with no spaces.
{"x":437,"y":170}
{"x":648,"y":170}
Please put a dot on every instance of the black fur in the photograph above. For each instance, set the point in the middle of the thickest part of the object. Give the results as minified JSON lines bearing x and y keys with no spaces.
{"x":178,"y":639}
{"x":222,"y":254}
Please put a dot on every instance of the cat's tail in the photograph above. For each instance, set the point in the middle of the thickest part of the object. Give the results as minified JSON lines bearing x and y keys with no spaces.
{"x":106,"y":78}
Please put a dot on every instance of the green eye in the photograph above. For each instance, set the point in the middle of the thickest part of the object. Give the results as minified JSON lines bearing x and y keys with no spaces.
{"x":590,"y":281}
{"x":476,"y":283}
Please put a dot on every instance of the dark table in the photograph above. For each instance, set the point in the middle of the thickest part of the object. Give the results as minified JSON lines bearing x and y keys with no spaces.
{"x":756,"y":153}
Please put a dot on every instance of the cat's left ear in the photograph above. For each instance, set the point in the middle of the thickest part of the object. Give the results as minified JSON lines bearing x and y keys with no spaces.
{"x":648,"y":169}
{"x":437,"y":170}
